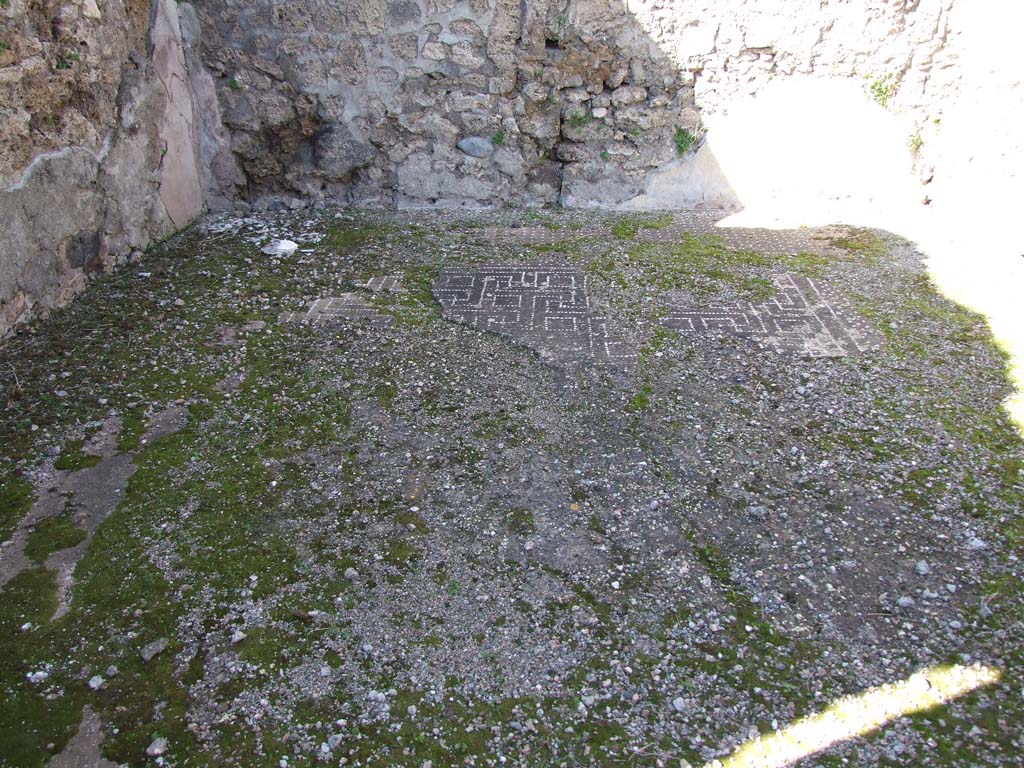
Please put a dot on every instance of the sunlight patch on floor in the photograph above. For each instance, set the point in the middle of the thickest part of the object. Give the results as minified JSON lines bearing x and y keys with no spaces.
{"x":857,"y":715}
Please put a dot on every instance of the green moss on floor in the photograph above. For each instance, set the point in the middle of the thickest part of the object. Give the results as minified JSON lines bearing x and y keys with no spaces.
{"x":865,"y":244}
{"x":72,"y":459}
{"x":641,"y":401}
{"x":412,"y":522}
{"x":520,"y":520}
{"x":401,"y":553}
{"x":806,"y":264}
{"x":28,"y":721}
{"x":699,"y":264}
{"x":628,"y":227}
{"x":575,"y":248}
{"x":133,"y":427}
{"x":16,"y":499}
{"x":52,"y":535}
{"x":351,"y":235}
{"x":415,"y":304}
{"x":161,"y":345}
{"x":267,"y":647}
{"x":549,"y":219}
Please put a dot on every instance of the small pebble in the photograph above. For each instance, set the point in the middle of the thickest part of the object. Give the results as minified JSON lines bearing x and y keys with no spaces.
{"x":153,"y":649}
{"x":758,"y":512}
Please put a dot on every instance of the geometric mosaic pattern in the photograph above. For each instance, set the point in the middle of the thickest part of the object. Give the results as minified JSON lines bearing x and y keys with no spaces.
{"x":385,"y":284}
{"x":804,"y":318}
{"x":346,"y":306}
{"x":545,"y":307}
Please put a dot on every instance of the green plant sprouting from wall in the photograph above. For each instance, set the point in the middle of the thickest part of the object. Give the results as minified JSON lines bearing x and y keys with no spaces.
{"x":884,"y":88}
{"x":683,"y":140}
{"x":579,"y":119}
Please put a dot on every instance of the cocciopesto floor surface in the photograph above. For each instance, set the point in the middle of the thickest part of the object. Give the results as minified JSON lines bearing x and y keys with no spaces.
{"x":518,"y":489}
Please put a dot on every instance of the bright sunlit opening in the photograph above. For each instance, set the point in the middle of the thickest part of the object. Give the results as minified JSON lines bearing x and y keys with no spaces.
{"x":857,"y":715}
{"x":815,"y":146}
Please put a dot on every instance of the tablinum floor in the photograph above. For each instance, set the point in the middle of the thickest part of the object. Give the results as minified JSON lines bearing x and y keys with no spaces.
{"x":511,"y":489}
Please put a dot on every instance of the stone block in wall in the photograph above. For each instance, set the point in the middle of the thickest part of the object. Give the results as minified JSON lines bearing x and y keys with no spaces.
{"x":403,"y":12}
{"x":542,"y":124}
{"x":435,"y":51}
{"x":435,"y":7}
{"x":467,"y":28}
{"x":592,"y":186}
{"x":422,"y":180}
{"x":338,"y":153}
{"x":468,"y":55}
{"x":348,"y":64}
{"x":544,"y":183}
{"x":367,"y":17}
{"x":405,"y":46}
{"x":504,"y":33}
{"x":627,"y":95}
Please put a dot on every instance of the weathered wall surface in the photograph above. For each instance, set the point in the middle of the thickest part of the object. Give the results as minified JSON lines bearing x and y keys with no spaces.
{"x":735,"y":47}
{"x":444,"y":102}
{"x":366,"y":101}
{"x":98,"y":142}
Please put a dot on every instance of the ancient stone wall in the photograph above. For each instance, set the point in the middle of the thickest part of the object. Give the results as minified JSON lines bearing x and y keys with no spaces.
{"x":898,"y":50}
{"x":444,"y":102}
{"x":98,"y":142}
{"x":571,"y":101}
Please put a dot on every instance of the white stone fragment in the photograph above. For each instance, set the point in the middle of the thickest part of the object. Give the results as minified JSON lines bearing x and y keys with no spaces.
{"x":280,"y":248}
{"x":157,"y":747}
